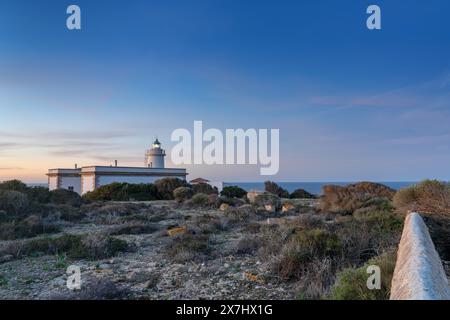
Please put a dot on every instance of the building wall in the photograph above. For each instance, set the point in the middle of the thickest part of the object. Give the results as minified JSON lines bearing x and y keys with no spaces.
{"x":52,"y":183}
{"x":88,"y":183}
{"x":68,"y":182}
{"x":155,"y":161}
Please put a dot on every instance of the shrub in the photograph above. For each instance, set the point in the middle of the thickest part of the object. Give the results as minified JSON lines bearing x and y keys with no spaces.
{"x":134,"y":228}
{"x":272,"y":187}
{"x":268,"y":199}
{"x":241,"y":213}
{"x":98,"y":246}
{"x":247,"y":245}
{"x":13,"y":202}
{"x":91,"y":247}
{"x":200,"y":200}
{"x":182,"y":194}
{"x":346,"y":200}
{"x":233,"y":192}
{"x":429,"y":196}
{"x":204,"y":188}
{"x":301,"y":249}
{"x":14,"y":185}
{"x":351,"y":283}
{"x":62,"y":196}
{"x":99,"y":289}
{"x":141,"y":192}
{"x":187,"y":247}
{"x":166,"y":186}
{"x":301,"y":194}
{"x":39,"y":194}
{"x":110,"y":192}
{"x":123,"y":192}
{"x":26,"y":228}
{"x":207,"y":224}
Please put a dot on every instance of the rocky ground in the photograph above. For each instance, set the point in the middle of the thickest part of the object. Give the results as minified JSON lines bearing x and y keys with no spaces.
{"x":147,"y":271}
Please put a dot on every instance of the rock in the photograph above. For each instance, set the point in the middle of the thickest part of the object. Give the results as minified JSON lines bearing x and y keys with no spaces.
{"x":287,"y":206}
{"x":269,"y":208}
{"x":251,"y":195}
{"x":224,"y":206}
{"x":177,"y":230}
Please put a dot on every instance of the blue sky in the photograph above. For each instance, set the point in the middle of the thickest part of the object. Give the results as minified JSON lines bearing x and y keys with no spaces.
{"x":351,"y":104}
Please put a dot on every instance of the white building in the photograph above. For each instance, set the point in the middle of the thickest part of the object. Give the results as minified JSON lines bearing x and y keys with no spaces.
{"x":85,"y":179}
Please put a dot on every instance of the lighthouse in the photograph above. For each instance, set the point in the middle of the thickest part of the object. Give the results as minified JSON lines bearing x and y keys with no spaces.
{"x":154,"y":158}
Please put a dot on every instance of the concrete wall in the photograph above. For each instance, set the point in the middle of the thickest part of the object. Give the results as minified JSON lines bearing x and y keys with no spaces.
{"x":88,"y":183}
{"x":52,"y":183}
{"x":419,"y":274}
{"x":71,"y":182}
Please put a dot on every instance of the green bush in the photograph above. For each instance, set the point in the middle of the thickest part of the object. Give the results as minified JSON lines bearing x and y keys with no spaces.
{"x":67,"y":197}
{"x":92,"y":247}
{"x":14,"y":185}
{"x":429,"y":196}
{"x":351,"y":284}
{"x":200,"y":200}
{"x":347,"y":199}
{"x":302,"y":249}
{"x":301,"y":194}
{"x":25,"y":228}
{"x":182,"y":194}
{"x":268,"y":199}
{"x":13,"y":202}
{"x":188,"y":247}
{"x":141,"y":192}
{"x":272,"y":187}
{"x":124,"y":192}
{"x":204,"y":188}
{"x":39,"y":194}
{"x":233,"y":192}
{"x":241,"y":213}
{"x":166,"y":187}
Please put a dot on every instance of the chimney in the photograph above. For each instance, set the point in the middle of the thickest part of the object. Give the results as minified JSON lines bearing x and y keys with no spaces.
{"x":115,"y":162}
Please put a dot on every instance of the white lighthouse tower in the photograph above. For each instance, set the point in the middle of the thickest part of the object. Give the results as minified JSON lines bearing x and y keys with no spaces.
{"x":154,"y":158}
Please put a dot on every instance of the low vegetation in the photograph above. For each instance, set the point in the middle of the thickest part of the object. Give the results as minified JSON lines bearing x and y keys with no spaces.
{"x":347,"y":199}
{"x":233,"y":192}
{"x":239,"y":246}
{"x":91,"y":246}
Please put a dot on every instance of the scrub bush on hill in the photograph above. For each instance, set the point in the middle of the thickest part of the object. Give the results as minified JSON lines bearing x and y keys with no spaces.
{"x":182,"y":194}
{"x":124,"y":192}
{"x":301,"y":194}
{"x":351,"y":283}
{"x":166,"y":186}
{"x":275,"y":189}
{"x":14,"y":185}
{"x":13,"y":202}
{"x":200,"y":200}
{"x":204,"y":188}
{"x":310,"y":251}
{"x":347,"y":199}
{"x":429,"y":196}
{"x":233,"y":192}
{"x":67,"y":197}
{"x":268,"y":199}
{"x":92,"y":247}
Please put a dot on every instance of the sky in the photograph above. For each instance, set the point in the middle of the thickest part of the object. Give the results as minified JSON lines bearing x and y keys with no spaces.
{"x":351,"y":103}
